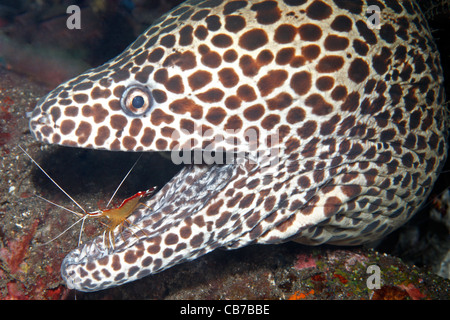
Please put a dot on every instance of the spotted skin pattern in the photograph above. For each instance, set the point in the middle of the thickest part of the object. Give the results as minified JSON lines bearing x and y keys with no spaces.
{"x":358,"y":114}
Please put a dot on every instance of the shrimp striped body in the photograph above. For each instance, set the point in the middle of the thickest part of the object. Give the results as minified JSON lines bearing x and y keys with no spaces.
{"x":337,"y":128}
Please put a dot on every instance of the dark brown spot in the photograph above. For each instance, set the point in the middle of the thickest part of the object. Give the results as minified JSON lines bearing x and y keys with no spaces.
{"x":233,"y":102}
{"x":161,"y":76}
{"x":387,"y":33}
{"x":215,"y":208}
{"x":248,"y":65}
{"x":270,"y":121}
{"x":253,"y":39}
{"x":98,"y":93}
{"x":67,"y":126}
{"x":148,"y":136}
{"x":213,"y":23}
{"x":215,"y":115}
{"x":318,"y":104}
{"x":330,"y":64}
{"x":158,"y":116}
{"x":187,"y":126}
{"x":81,"y":98}
{"x":156,"y":55}
{"x":234,"y":23}
{"x":358,"y":70}
{"x":167,"y":41}
{"x":211,"y":59}
{"x":200,"y":15}
{"x":212,"y":95}
{"x":196,"y":240}
{"x":285,"y":55}
{"x":360,"y":47}
{"x":295,"y":115}
{"x":228,"y":77}
{"x":130,"y":257}
{"x":318,"y":10}
{"x":233,"y":6}
{"x":167,"y":252}
{"x":224,"y":218}
{"x":267,"y":12}
{"x":83,"y":131}
{"x":55,"y":113}
{"x":161,"y":144}
{"x":339,"y":93}
{"x":254,"y":112}
{"x":310,"y":32}
{"x":381,"y":62}
{"x":199,"y":79}
{"x":336,"y":43}
{"x":325,"y":83}
{"x":83,"y":86}
{"x":175,"y":84}
{"x":301,"y":82}
{"x":354,"y":6}
{"x":269,"y":203}
{"x":311,"y":51}
{"x":230,"y":55}
{"x":273,"y":79}
{"x":304,"y":182}
{"x":118,"y":122}
{"x":234,"y":123}
{"x":154,"y":249}
{"x":144,"y":74}
{"x":201,"y":32}
{"x":222,"y":41}
{"x":117,"y":76}
{"x":351,"y":103}
{"x":102,"y":134}
{"x":342,"y":23}
{"x":185,"y":60}
{"x":185,"y":232}
{"x":71,"y":111}
{"x":115,"y":264}
{"x":129,"y":143}
{"x":285,"y":33}
{"x":246,"y":93}
{"x":186,"y":37}
{"x":171,"y":239}
{"x":160,"y":96}
{"x":366,"y":33}
{"x":247,"y":201}
{"x":332,"y":206}
{"x":185,"y":105}
{"x":280,"y":102}
{"x":351,"y":190}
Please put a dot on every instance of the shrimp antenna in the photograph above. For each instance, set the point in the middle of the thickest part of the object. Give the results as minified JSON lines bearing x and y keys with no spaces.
{"x":60,"y":206}
{"x":123,"y":180}
{"x":60,"y":188}
{"x":59,"y":235}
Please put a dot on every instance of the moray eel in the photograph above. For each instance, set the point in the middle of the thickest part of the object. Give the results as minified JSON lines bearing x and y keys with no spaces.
{"x":336,"y":125}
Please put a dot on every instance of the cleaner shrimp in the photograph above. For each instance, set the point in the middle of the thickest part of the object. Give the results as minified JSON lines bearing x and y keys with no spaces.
{"x":116,"y":216}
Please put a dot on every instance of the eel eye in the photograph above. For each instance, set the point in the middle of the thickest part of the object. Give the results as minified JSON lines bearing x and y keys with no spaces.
{"x":136,"y":100}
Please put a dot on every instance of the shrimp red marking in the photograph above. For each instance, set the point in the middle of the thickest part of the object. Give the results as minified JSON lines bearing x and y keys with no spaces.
{"x":116,"y":216}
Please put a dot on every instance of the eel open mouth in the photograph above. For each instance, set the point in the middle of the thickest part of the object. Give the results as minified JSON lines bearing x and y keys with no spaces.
{"x":169,"y":229}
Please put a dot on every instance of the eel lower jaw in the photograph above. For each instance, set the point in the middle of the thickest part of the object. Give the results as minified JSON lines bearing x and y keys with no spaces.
{"x":180,"y":200}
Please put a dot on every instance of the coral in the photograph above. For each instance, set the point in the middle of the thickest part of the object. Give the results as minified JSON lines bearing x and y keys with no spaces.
{"x":13,"y":255}
{"x":300,"y":295}
{"x":305,"y":261}
{"x":412,"y":291}
{"x":15,"y":291}
{"x":389,"y":293}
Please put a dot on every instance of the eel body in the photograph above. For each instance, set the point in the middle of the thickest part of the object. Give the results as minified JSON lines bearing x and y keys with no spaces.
{"x":332,"y":112}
